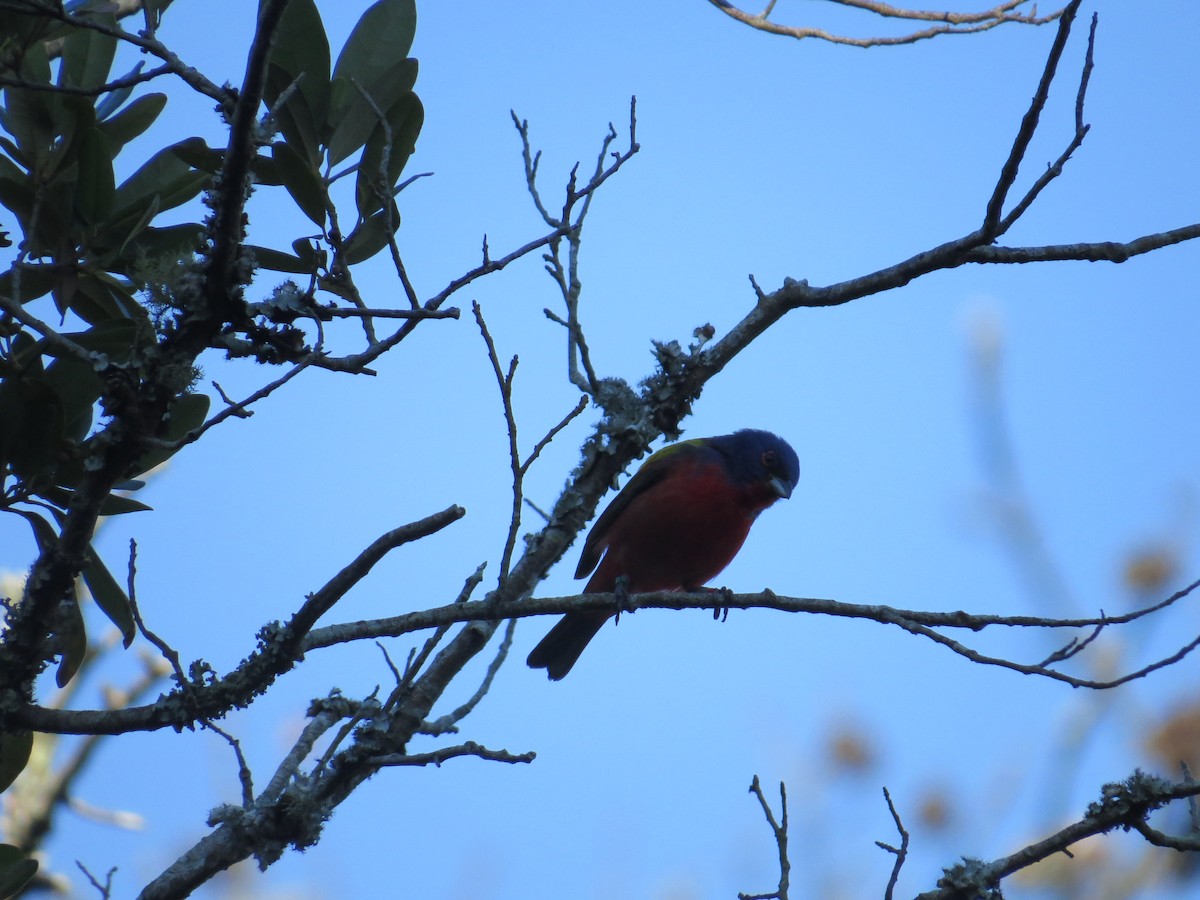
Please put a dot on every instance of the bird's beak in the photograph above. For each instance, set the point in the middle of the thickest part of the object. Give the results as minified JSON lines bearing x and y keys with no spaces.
{"x":782,"y":488}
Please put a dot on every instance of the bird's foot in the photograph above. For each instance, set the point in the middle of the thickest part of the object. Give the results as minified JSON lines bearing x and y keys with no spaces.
{"x":621,"y":592}
{"x":720,"y":613}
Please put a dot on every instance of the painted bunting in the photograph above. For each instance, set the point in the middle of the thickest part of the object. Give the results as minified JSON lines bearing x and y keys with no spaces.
{"x":677,"y":523}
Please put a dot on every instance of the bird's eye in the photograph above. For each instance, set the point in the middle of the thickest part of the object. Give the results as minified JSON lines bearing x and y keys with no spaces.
{"x":770,"y":460}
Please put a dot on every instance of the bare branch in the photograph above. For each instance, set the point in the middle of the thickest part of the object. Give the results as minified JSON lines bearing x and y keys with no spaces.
{"x":449,"y":722}
{"x":949,"y":22}
{"x":1099,"y":251}
{"x":901,"y":852}
{"x":1122,"y":805}
{"x":781,"y":841}
{"x":470,"y":748}
{"x":992,"y":226}
{"x":505,"y":383}
{"x":215,"y":698}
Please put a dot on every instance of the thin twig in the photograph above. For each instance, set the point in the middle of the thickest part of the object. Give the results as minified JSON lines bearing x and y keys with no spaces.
{"x":779,"y":828}
{"x":901,"y":852}
{"x":437,"y":757}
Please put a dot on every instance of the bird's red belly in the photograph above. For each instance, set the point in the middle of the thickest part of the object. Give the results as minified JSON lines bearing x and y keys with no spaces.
{"x":683,"y":533}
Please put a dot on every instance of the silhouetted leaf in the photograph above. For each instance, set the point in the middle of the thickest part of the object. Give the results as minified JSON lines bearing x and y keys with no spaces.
{"x":278,"y":261}
{"x":116,"y":505}
{"x":353,"y":118}
{"x":186,"y":413}
{"x":132,"y":121}
{"x":35,"y":281}
{"x":95,"y":188}
{"x":28,"y":114}
{"x":78,"y":387}
{"x":404,"y":122}
{"x":300,"y":57}
{"x":197,"y":154}
{"x":382,"y":35}
{"x":113,"y":99}
{"x":115,"y":338}
{"x":302,"y":181}
{"x":97,"y":298}
{"x":72,"y":636}
{"x":371,"y":236}
{"x":165,"y":176}
{"x":16,"y":869}
{"x":87,"y":56}
{"x":109,"y":596}
{"x":175,"y":242}
{"x":14,"y":754}
{"x":31,"y":424}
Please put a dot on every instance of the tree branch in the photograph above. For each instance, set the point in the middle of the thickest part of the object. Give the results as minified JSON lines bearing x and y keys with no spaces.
{"x":949,"y":22}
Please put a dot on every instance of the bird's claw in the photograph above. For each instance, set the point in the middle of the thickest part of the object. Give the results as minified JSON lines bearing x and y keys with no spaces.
{"x":621,"y":592}
{"x":720,"y":613}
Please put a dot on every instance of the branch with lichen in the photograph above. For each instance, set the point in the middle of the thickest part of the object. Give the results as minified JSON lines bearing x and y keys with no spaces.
{"x":1125,"y":805}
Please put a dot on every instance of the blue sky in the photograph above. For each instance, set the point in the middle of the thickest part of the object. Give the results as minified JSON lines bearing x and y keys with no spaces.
{"x":760,"y":155}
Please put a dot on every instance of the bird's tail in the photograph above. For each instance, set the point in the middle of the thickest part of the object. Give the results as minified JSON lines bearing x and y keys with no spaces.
{"x":558,"y":650}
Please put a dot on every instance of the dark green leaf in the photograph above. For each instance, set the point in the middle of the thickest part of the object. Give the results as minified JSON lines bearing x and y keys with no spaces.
{"x":303,"y":248}
{"x":14,"y":754}
{"x":115,"y":338}
{"x":15,"y":872}
{"x":353,"y":118}
{"x":96,"y":188}
{"x":25,"y":353}
{"x":16,"y":190}
{"x":109,"y":596}
{"x":97,"y":298}
{"x":383,"y":35}
{"x":28,"y":114}
{"x":78,"y":387}
{"x":175,"y":242}
{"x":300,"y":57}
{"x":301,"y":180}
{"x":404,"y":124}
{"x":72,"y":636}
{"x":112,"y":505}
{"x":87,"y":56}
{"x":197,"y":154}
{"x":371,"y":236}
{"x":265,"y":171}
{"x":165,"y":176}
{"x":278,"y":261}
{"x":31,"y":424}
{"x":9,"y":147}
{"x":53,"y":232}
{"x":73,"y":117}
{"x":21,"y":31}
{"x":35,"y":281}
{"x":113,"y":99}
{"x":132,"y":121}
{"x":186,"y":413}
{"x":126,"y":226}
{"x":116,"y":505}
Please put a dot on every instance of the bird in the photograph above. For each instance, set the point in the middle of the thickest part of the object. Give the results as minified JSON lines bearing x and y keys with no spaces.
{"x":676,"y":525}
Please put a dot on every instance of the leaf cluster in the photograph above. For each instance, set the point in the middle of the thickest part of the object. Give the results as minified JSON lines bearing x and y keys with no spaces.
{"x":126,"y":284}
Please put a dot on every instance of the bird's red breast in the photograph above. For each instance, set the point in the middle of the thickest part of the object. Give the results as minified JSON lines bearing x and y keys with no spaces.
{"x":681,"y":531}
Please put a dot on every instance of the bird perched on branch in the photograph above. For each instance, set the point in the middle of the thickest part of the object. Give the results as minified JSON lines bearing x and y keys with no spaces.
{"x":677,"y":523}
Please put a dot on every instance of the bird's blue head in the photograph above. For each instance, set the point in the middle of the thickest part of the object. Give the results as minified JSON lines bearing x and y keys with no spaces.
{"x":760,"y":456}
